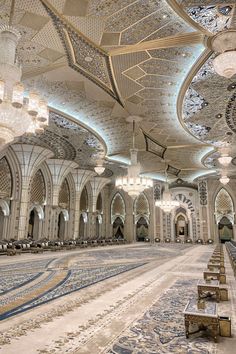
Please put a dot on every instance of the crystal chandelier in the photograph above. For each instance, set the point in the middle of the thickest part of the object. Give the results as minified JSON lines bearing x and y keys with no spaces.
{"x":225,"y":160}
{"x":18,"y":114}
{"x":225,"y":44}
{"x":224,"y":179}
{"x":133,"y":184}
{"x":167,"y":203}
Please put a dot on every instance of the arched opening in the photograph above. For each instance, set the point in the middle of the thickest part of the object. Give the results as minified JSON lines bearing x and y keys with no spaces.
{"x":141,"y":229}
{"x":181,"y":225}
{"x":33,"y":227}
{"x":61,"y":226}
{"x":81,"y":226}
{"x":224,"y":215}
{"x":225,"y":230}
{"x":2,"y":216}
{"x":118,"y":228}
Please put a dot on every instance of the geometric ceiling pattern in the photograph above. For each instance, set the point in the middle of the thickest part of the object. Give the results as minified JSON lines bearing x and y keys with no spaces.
{"x":99,"y":61}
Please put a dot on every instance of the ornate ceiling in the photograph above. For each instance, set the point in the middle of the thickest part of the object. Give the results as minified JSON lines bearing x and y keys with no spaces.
{"x":99,"y":61}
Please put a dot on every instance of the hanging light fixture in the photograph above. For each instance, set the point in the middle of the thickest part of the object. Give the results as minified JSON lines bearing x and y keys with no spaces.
{"x":133,"y":183}
{"x":225,"y":160}
{"x":18,"y":115}
{"x":167,"y":203}
{"x":99,"y":169}
{"x":224,"y":179}
{"x":225,"y":44}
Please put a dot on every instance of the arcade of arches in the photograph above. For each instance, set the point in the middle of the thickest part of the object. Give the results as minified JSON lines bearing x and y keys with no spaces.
{"x":38,"y":205}
{"x":85,"y":268}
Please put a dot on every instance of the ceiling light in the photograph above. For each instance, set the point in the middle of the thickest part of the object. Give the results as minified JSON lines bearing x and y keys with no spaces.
{"x":225,"y":64}
{"x":225,"y":160}
{"x":99,"y":169}
{"x":133,"y":183}
{"x":18,"y":115}
{"x":224,"y":180}
{"x":224,"y":43}
{"x":167,"y":203}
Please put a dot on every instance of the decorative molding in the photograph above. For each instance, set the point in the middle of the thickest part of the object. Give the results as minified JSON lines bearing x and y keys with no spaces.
{"x":202,"y":190}
{"x":183,"y":184}
{"x":173,"y":170}
{"x":83,"y":55}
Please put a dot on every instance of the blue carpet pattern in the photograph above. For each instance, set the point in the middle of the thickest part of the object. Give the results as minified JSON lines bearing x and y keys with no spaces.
{"x":75,"y":280}
{"x":161,"y":329}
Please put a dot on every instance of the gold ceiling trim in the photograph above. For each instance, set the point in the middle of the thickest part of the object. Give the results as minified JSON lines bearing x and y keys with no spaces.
{"x":195,"y":68}
{"x":181,"y":13}
{"x":180,"y":40}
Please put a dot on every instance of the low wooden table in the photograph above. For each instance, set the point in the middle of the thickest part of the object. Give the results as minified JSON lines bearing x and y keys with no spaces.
{"x":203,"y":318}
{"x":206,"y":289}
{"x":214,"y":274}
{"x":213,"y":266}
{"x":216,"y":260}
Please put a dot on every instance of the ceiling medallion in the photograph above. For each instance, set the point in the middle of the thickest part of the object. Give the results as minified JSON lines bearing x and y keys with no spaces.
{"x":224,"y":43}
{"x":132,"y":183}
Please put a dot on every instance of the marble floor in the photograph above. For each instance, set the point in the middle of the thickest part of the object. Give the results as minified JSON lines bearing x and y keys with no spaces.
{"x":115,"y":299}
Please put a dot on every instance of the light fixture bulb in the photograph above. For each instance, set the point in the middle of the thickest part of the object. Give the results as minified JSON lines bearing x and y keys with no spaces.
{"x":225,"y":64}
{"x":99,"y":169}
{"x":224,"y":180}
{"x":225,"y":160}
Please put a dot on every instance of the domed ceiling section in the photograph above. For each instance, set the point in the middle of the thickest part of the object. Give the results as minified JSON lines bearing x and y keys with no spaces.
{"x":207,"y":101}
{"x":101,"y":61}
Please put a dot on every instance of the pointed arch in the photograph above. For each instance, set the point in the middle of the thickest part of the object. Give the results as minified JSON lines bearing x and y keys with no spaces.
{"x":185,"y":201}
{"x":224,"y":206}
{"x":118,"y":208}
{"x":141,"y":208}
{"x":37,"y":189}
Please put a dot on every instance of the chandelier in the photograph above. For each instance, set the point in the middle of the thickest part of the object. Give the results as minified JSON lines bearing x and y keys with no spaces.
{"x":18,"y":114}
{"x":132,"y":183}
{"x":224,"y":179}
{"x":167,"y":203}
{"x":225,"y":44}
{"x":225,"y":160}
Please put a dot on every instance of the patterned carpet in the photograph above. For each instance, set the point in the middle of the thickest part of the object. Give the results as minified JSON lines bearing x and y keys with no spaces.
{"x":56,"y":284}
{"x":161,"y":329}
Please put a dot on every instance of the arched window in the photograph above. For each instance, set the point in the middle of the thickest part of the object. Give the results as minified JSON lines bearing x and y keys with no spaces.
{"x":38,"y":189}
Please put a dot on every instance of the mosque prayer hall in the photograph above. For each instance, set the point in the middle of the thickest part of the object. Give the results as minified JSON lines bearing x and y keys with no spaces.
{"x":117,"y":176}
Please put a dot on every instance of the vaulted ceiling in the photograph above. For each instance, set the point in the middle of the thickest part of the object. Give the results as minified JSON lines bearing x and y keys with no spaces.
{"x":100,"y":61}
